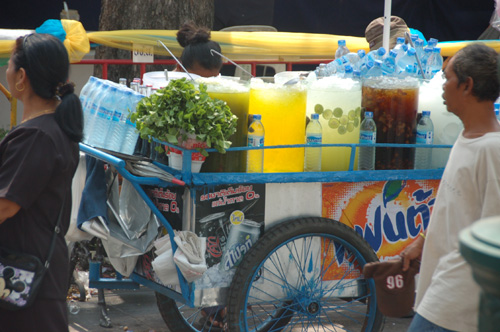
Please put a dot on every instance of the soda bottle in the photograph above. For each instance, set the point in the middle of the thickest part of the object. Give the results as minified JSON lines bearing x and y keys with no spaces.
{"x":312,"y":157}
{"x":255,"y":158}
{"x":425,"y":135}
{"x":368,"y":135}
{"x":341,"y":49}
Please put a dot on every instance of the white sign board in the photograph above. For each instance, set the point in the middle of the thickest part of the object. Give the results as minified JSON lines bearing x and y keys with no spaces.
{"x":143,"y":53}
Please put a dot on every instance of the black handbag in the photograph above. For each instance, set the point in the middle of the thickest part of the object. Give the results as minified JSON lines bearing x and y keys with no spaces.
{"x":21,"y":274}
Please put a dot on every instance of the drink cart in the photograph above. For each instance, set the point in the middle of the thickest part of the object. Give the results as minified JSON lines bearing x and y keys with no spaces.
{"x":284,"y":251}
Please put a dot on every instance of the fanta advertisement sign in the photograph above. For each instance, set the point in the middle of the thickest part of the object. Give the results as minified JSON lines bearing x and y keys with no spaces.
{"x":388,"y":214}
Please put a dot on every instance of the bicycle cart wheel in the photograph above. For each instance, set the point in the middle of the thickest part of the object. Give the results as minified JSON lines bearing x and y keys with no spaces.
{"x":180,"y":317}
{"x":305,"y":275}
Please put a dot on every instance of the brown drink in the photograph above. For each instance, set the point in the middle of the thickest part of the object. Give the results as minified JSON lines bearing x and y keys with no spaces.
{"x":394,"y":103}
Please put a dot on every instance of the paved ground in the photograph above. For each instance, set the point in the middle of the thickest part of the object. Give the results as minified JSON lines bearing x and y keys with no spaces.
{"x":136,"y":311}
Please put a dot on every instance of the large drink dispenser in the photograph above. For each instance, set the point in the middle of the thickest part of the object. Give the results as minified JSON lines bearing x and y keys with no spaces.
{"x":338,"y":102}
{"x":447,"y":126}
{"x":394,"y":103}
{"x":283,"y":110}
{"x":236,"y":94}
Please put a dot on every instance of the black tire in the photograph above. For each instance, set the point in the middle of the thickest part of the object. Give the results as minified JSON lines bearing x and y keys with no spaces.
{"x":181,"y":318}
{"x":282,"y":285}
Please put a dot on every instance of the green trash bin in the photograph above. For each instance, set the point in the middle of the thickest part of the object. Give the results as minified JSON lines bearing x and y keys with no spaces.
{"x":480,"y":246}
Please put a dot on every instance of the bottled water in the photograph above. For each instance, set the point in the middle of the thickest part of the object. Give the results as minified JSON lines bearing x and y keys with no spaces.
{"x":86,"y":97}
{"x":322,"y":71}
{"x":400,"y":48}
{"x":312,"y":157}
{"x":424,"y":59}
{"x":407,"y":59}
{"x":410,"y":71}
{"x":98,"y":93}
{"x":368,"y":135}
{"x":419,"y":48}
{"x":86,"y":91}
{"x":365,"y":68}
{"x":362,"y":59}
{"x":434,"y":62}
{"x":389,"y":63}
{"x":255,"y":158}
{"x":376,"y":70}
{"x":432,"y":42}
{"x":103,"y":118}
{"x":348,"y":71}
{"x":376,"y":55}
{"x":122,"y":81}
{"x":497,"y":111}
{"x":353,"y":59}
{"x":131,"y":134}
{"x":425,"y":135}
{"x":341,"y":49}
{"x":116,"y":133}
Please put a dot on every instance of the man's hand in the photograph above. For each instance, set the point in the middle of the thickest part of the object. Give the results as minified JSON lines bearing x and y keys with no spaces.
{"x":412,"y":252}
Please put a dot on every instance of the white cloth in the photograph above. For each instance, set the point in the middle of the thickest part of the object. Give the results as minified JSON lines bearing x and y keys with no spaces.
{"x":447,"y":295}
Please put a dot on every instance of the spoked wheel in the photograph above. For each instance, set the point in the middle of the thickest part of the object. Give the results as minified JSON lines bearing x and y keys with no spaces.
{"x":182,"y":318}
{"x":305,"y":275}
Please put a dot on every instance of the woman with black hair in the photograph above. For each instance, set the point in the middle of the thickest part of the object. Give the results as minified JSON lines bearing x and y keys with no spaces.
{"x":37,"y":161}
{"x":197,"y":57}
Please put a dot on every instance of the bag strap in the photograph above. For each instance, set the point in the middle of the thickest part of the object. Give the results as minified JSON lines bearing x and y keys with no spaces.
{"x":57,"y":230}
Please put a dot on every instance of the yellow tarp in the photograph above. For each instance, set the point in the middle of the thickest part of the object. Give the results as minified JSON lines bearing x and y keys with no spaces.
{"x":236,"y":45}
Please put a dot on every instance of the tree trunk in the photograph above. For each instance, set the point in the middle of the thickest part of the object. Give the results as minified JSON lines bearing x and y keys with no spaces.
{"x":146,"y":14}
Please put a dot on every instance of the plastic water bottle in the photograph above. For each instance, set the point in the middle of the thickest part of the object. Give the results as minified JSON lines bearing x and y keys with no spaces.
{"x":86,"y":91}
{"x":368,"y":135}
{"x":376,"y":55}
{"x":314,"y":133}
{"x":362,"y":59}
{"x":131,"y":134}
{"x":103,"y":118}
{"x":410,"y":71}
{"x":341,"y":49}
{"x":94,"y":100}
{"x":255,"y":158}
{"x":322,"y":71}
{"x":365,"y":68}
{"x":376,"y":70}
{"x":432,"y":42}
{"x":353,"y":59}
{"x":419,"y":47}
{"x":407,"y":59}
{"x":389,"y":63}
{"x":348,"y":71}
{"x":401,"y":50}
{"x":425,"y":135}
{"x":117,"y":129}
{"x":434,"y":62}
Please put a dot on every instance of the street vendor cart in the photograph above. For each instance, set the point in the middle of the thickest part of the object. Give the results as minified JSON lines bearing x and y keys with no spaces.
{"x":300,"y":267}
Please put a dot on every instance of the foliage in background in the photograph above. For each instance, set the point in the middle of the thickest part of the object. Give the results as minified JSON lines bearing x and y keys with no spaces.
{"x":180,"y":109}
{"x":3,"y":133}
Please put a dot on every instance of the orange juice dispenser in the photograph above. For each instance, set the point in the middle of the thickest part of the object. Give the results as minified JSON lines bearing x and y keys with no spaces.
{"x":338,"y":103}
{"x":283,"y":110}
{"x":236,"y":94}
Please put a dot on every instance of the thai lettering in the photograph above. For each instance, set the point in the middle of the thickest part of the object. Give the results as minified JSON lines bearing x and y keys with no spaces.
{"x":236,"y":253}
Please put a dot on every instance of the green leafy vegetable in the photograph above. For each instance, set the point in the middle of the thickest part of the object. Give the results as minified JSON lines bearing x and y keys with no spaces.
{"x":180,"y":109}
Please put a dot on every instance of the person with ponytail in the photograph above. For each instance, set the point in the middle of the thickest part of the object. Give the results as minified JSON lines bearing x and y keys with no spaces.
{"x":197,"y":57}
{"x":38,"y":159}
